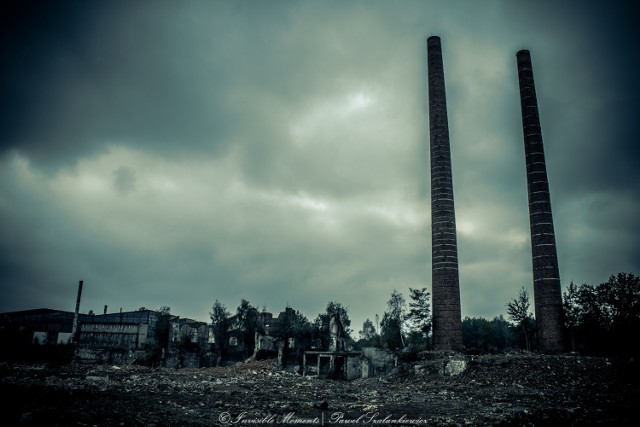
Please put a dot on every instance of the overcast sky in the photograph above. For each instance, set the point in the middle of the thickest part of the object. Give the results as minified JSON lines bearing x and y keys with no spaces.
{"x":175,"y":153}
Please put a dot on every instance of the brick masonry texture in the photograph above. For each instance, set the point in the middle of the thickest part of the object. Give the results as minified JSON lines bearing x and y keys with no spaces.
{"x":447,"y":330}
{"x":546,"y":277}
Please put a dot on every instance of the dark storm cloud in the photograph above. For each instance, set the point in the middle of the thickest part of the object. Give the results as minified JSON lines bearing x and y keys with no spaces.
{"x":37,"y":39}
{"x":590,"y":94}
{"x":81,"y":75}
{"x":173,"y":79}
{"x":590,"y":124}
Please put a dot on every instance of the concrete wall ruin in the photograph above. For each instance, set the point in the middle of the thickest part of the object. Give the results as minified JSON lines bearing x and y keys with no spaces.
{"x":376,"y":362}
{"x":336,"y":365}
{"x":128,"y":336}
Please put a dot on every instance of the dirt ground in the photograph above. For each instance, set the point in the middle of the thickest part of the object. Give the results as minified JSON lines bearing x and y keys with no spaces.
{"x":504,"y":390}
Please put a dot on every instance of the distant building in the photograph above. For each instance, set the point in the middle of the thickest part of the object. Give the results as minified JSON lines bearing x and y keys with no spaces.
{"x":115,"y":337}
{"x":131,"y":330}
{"x":189,"y":331}
{"x":41,"y":325}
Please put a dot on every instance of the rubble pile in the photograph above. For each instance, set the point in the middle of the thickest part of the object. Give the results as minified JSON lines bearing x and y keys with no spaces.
{"x":518,"y":389}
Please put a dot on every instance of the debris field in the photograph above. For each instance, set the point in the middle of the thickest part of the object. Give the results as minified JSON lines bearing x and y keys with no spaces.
{"x":504,"y":390}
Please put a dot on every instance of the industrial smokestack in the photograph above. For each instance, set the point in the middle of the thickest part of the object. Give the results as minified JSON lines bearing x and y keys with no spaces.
{"x":447,"y":328}
{"x":74,"y":328}
{"x":546,"y":277}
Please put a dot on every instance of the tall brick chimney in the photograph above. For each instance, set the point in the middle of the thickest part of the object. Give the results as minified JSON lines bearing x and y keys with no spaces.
{"x":447,"y":327}
{"x":546,"y":277}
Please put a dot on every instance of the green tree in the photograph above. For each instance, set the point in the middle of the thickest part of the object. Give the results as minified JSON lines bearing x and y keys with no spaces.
{"x":571,"y":309}
{"x":323,"y":320}
{"x":293,"y":324}
{"x":162,"y":332}
{"x":475,"y":334}
{"x":595,"y":320}
{"x":518,"y":311}
{"x":621,"y":297}
{"x":392,"y":320}
{"x":248,"y":319}
{"x":220,"y":325}
{"x":484,"y":336}
{"x":163,"y":326}
{"x":503,"y":336}
{"x":606,"y":315}
{"x":368,"y":335}
{"x":419,"y":319}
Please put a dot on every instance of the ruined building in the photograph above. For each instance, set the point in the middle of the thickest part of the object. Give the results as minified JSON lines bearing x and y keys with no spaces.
{"x":337,"y":361}
{"x":125,"y":337}
{"x":447,"y":328}
{"x":121,"y":337}
{"x":546,"y":278}
{"x":41,"y":325}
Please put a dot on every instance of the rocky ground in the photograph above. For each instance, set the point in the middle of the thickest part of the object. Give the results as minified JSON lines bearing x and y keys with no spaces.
{"x":443,"y":390}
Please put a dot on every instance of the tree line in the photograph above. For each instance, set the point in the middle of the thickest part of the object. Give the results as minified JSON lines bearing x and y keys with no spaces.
{"x":603,"y":319}
{"x":598,"y":320}
{"x":289,"y":324}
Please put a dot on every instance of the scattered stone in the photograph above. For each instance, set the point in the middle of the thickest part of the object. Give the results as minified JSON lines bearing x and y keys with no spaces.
{"x":518,"y":389}
{"x":455,"y":367}
{"x":97,"y":378}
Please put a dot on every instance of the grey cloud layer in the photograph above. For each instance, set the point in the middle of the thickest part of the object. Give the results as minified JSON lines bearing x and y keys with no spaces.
{"x":277,"y":151}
